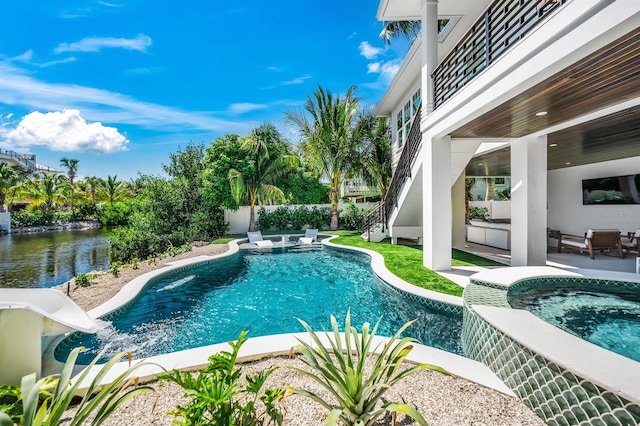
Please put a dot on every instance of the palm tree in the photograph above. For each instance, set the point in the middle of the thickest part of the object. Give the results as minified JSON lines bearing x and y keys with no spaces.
{"x":47,"y":189}
{"x":72,"y":167}
{"x":12,"y":184}
{"x":269,"y":161}
{"x":395,"y":29}
{"x":376,"y":155}
{"x":7,"y":175}
{"x":329,"y":139}
{"x":113,"y":190}
{"x":93,"y":184}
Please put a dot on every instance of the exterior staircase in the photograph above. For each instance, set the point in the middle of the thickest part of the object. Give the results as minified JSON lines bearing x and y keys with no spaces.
{"x":374,"y":224}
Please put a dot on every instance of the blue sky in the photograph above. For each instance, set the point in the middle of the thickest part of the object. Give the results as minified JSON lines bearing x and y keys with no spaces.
{"x":120,"y":85}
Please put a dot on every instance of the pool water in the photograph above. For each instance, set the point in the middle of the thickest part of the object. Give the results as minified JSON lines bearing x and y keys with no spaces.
{"x":608,"y":319}
{"x":263,"y":293}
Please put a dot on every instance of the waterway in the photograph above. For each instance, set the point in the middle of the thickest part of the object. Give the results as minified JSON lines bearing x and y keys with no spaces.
{"x":48,"y":259}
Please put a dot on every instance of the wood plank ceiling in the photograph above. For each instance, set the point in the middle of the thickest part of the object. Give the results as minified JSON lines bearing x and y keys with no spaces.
{"x":607,"y":77}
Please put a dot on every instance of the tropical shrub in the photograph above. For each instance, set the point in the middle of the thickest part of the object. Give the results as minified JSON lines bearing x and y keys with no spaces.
{"x":352,"y":218}
{"x":82,"y":280}
{"x":357,"y":391}
{"x":44,"y":402}
{"x":217,"y":397}
{"x":478,"y":212}
{"x":115,"y":268}
{"x":295,"y":218}
{"x":114,"y":214}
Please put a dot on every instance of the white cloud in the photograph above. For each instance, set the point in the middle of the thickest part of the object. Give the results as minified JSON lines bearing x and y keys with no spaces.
{"x":61,"y":61}
{"x":95,"y":44}
{"x":243,"y":107}
{"x":387,"y":70}
{"x":373,"y":67}
{"x":25,"y":57}
{"x":370,"y":52}
{"x":16,"y":88}
{"x":298,"y":80}
{"x":64,"y":131}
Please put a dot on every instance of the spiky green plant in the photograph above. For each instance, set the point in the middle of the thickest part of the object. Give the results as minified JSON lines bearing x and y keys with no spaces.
{"x":98,"y":403}
{"x":357,"y":393}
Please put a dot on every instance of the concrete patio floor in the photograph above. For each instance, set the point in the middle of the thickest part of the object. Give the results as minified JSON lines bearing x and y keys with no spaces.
{"x":567,"y":260}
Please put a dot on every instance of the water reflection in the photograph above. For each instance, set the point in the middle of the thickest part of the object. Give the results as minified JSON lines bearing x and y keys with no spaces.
{"x":50,"y":258}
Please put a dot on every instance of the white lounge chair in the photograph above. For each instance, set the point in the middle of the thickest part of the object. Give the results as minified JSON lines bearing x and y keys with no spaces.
{"x":310,"y":235}
{"x":256,"y":238}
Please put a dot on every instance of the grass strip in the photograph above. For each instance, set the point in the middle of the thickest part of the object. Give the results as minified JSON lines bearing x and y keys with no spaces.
{"x":403,"y":261}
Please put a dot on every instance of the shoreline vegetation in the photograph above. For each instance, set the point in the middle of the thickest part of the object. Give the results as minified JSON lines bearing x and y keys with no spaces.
{"x":66,"y":226}
{"x":442,"y":400}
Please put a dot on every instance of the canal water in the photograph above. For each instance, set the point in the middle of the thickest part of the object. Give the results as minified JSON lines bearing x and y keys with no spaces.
{"x":48,"y":259}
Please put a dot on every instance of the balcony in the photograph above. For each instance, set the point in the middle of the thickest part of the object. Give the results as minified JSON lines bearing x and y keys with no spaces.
{"x":503,"y":23}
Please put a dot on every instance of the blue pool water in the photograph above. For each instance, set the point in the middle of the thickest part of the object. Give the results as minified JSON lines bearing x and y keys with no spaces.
{"x":608,"y":319}
{"x":263,"y":293}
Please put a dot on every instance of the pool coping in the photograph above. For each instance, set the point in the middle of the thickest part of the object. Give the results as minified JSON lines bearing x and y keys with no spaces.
{"x":281,"y":344}
{"x":590,"y":361}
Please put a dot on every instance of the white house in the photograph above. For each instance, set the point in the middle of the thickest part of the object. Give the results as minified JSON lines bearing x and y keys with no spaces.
{"x":546,"y":92}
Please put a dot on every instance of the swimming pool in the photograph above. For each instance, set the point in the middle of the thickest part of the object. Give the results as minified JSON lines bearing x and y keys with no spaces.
{"x":262,"y":292}
{"x":608,"y":317}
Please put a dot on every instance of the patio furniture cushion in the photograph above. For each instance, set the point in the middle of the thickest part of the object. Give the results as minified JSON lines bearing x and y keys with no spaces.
{"x":264,"y":243}
{"x":304,"y":240}
{"x":255,"y":236}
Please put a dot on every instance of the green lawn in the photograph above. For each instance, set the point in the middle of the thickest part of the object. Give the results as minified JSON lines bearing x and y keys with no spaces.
{"x":404,"y":261}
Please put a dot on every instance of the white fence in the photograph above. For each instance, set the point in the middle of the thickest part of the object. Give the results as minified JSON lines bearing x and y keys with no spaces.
{"x":239,"y":220}
{"x":497,"y":209}
{"x":5,"y":222}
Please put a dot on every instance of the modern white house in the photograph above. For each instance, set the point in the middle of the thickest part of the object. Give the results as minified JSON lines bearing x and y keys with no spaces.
{"x":545,"y":92}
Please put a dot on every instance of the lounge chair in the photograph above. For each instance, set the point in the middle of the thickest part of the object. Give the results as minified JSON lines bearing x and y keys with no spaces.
{"x":310,"y":235}
{"x":594,"y":239}
{"x":256,"y":238}
{"x":632,"y":242}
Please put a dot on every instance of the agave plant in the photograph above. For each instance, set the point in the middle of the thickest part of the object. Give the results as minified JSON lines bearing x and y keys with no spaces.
{"x":98,"y":403}
{"x":343,"y":374}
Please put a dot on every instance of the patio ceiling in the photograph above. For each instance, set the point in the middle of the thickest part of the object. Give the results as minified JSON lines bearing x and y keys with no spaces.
{"x":606,"y":78}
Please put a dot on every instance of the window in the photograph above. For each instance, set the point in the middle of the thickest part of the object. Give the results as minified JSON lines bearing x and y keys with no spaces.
{"x":404,"y":117}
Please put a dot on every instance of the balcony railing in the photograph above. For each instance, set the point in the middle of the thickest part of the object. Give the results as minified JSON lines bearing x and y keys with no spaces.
{"x":503,"y":24}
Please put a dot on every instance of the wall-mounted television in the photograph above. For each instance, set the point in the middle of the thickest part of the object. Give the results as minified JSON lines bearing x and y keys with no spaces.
{"x":611,"y":190}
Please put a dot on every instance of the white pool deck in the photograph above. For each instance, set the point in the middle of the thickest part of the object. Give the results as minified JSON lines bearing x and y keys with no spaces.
{"x":268,"y":346}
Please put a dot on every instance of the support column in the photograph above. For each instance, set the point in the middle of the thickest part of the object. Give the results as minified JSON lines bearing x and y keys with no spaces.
{"x":429,"y":52}
{"x":529,"y":201}
{"x":436,"y":198}
{"x":458,"y":194}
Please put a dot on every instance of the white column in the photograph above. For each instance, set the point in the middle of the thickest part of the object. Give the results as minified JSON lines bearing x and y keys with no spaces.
{"x":436,"y":197}
{"x":429,"y":51}
{"x":529,"y":201}
{"x":458,"y":194}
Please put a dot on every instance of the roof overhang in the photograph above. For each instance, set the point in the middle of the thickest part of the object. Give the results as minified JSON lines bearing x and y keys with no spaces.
{"x":410,"y":10}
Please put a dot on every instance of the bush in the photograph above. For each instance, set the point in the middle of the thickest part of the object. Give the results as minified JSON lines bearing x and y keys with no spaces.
{"x":114,"y":214}
{"x":32,"y":216}
{"x":478,"y":212}
{"x":45,"y":401}
{"x":216,"y":395}
{"x":352,"y":218}
{"x":82,"y":280}
{"x":296,"y":218}
{"x":354,"y":375}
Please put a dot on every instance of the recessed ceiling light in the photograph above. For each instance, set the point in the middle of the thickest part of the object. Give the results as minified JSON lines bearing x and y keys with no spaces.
{"x":480,"y":164}
{"x":553,"y":144}
{"x":567,"y":163}
{"x":541,"y":113}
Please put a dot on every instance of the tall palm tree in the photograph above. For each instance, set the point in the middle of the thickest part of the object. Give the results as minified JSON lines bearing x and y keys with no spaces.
{"x":113,"y":190}
{"x":269,"y":161}
{"x":93,"y":184}
{"x":376,"y":156}
{"x":47,"y":189}
{"x":72,"y":167}
{"x":329,"y":138}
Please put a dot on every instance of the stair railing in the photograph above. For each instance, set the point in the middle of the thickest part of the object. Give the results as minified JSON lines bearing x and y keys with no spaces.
{"x":373,"y":218}
{"x":403,"y":169}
